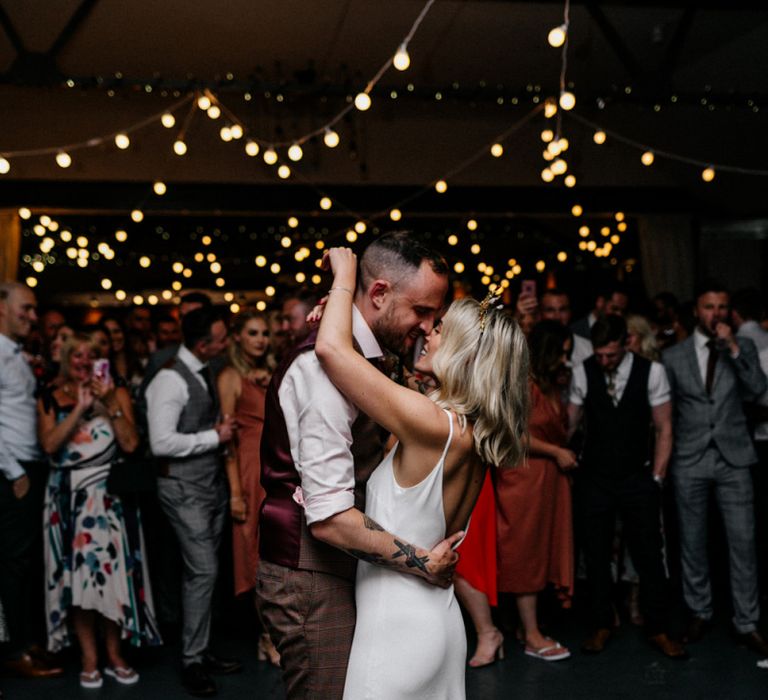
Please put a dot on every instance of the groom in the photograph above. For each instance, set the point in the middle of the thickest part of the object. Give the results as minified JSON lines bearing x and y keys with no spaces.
{"x":317,"y":453}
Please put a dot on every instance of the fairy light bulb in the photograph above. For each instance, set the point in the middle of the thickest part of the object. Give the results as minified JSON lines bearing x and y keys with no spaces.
{"x":326,"y":203}
{"x":167,"y":294}
{"x":547,"y":135}
{"x":708,"y":174}
{"x":5,"y":166}
{"x":647,"y":158}
{"x":159,"y":188}
{"x":237,"y":131}
{"x":25,"y":213}
{"x":63,"y":159}
{"x":39,"y":230}
{"x":570,"y":181}
{"x":556,"y":36}
{"x":215,"y":268}
{"x":360,"y":227}
{"x":567,"y":100}
{"x":441,"y":186}
{"x":550,"y":109}
{"x":553,"y":148}
{"x":351,"y":236}
{"x":283,"y":172}
{"x":475,"y":249}
{"x":269,"y":291}
{"x":274,"y":268}
{"x":168,"y":120}
{"x":260,"y":261}
{"x":285,"y":241}
{"x":179,"y":147}
{"x":204,"y":102}
{"x":453,"y":239}
{"x":138,"y":299}
{"x":562,"y":256}
{"x":66,"y":236}
{"x":121,"y":236}
{"x":547,"y":175}
{"x":591,"y":246}
{"x":605,"y":231}
{"x":122,"y":141}
{"x":145,"y":261}
{"x":363,"y":101}
{"x":330,"y":138}
{"x":270,"y":156}
{"x":564,"y":144}
{"x":619,"y":216}
{"x":178,"y":267}
{"x":137,"y":216}
{"x":497,"y":150}
{"x":559,"y":167}
{"x":395,"y":215}
{"x":252,"y":148}
{"x":582,"y":245}
{"x":615,"y":239}
{"x":120,"y":295}
{"x":225,"y":133}
{"x":45,"y":220}
{"x":458,"y":267}
{"x":106,"y":283}
{"x":472,"y":225}
{"x":577,"y":210}
{"x":622,"y":226}
{"x":402,"y":60}
{"x":599,"y":137}
{"x":295,"y":152}
{"x":214,"y":112}
{"x":31,"y":282}
{"x":584,"y":231}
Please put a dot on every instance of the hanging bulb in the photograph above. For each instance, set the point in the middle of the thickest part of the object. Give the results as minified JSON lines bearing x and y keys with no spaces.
{"x":122,"y":141}
{"x":441,"y":186}
{"x":63,"y":159}
{"x":326,"y":203}
{"x":270,"y":156}
{"x":159,"y":188}
{"x":214,"y":112}
{"x":363,"y":101}
{"x":226,"y":133}
{"x":547,"y":175}
{"x":567,"y":100}
{"x":168,"y":120}
{"x":647,"y":158}
{"x":330,"y":138}
{"x":497,"y":150}
{"x":295,"y":152}
{"x":5,"y":166}
{"x":559,"y":167}
{"x":252,"y":148}
{"x":550,"y":108}
{"x":179,"y":147}
{"x":708,"y":174}
{"x":577,"y":210}
{"x":204,"y":102}
{"x":570,"y":181}
{"x":283,"y":172}
{"x":599,"y":137}
{"x":402,"y":60}
{"x":547,"y":135}
{"x":557,"y":35}
{"x":553,"y":147}
{"x":237,"y":131}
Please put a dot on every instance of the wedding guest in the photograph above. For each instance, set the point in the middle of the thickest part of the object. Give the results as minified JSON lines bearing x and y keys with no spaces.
{"x":295,"y":310}
{"x":242,"y":390}
{"x":95,"y":578}
{"x":613,"y":299}
{"x":22,"y":481}
{"x":534,"y":522}
{"x":139,"y":321}
{"x":167,"y":331}
{"x":280,"y":340}
{"x":641,"y":338}
{"x":54,"y":359}
{"x":668,"y":317}
{"x":555,"y":305}
{"x":746,"y":314}
{"x":50,"y":322}
{"x":124,"y":364}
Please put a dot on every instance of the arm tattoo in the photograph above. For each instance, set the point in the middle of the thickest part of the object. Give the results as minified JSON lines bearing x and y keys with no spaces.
{"x":369,"y":557}
{"x":371,"y":524}
{"x":409,"y":552}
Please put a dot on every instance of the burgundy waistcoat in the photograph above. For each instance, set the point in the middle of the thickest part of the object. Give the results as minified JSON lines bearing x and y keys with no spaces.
{"x":284,"y":537}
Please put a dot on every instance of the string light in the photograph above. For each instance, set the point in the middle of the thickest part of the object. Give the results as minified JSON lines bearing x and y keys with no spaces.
{"x":402,"y":60}
{"x":121,"y":236}
{"x":300,"y":277}
{"x":122,"y":141}
{"x":584,"y":231}
{"x":619,"y":216}
{"x":599,"y":137}
{"x":326,"y":203}
{"x":204,"y":102}
{"x":570,"y":180}
{"x":475,"y":249}
{"x":31,"y":282}
{"x":497,"y":150}
{"x":225,"y":133}
{"x":554,"y":148}
{"x":152,"y":299}
{"x":270,"y":156}
{"x":562,"y":256}
{"x":559,"y":167}
{"x":395,"y":215}
{"x":66,"y":236}
{"x":5,"y":166}
{"x":252,"y":148}
{"x":567,"y":100}
{"x":145,"y":261}
{"x":137,"y":216}
{"x":63,"y":159}
{"x":363,"y":101}
{"x":351,"y":236}
{"x":168,"y":120}
{"x":167,"y":294}
{"x":459,"y":267}
{"x":25,"y":213}
{"x":540,"y":266}
{"x":283,"y":172}
{"x":214,"y":112}
{"x":550,"y":109}
{"x":293,"y":222}
{"x":274,"y":268}
{"x":178,"y":267}
{"x":45,"y":220}
{"x":138,"y":300}
{"x":159,"y":188}
{"x":708,"y":174}
{"x":360,"y":227}
{"x":647,"y":158}
{"x":441,"y":186}
{"x":237,"y":131}
{"x":269,"y":291}
{"x":615,"y":239}
{"x":547,"y":175}
{"x":472,"y":225}
{"x":82,"y":241}
{"x":179,"y":147}
{"x":215,"y":268}
{"x":260,"y":261}
{"x":453,"y":239}
{"x":547,"y":135}
{"x":39,"y":229}
{"x":106,"y":283}
{"x":285,"y":241}
{"x":330,"y":138}
{"x":622,"y":226}
{"x":120,"y":295}
{"x":295,"y":152}
{"x":577,"y":210}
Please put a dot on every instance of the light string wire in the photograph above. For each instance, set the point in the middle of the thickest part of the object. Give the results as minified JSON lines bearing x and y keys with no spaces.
{"x":669,"y":155}
{"x":97,"y":141}
{"x":564,"y":61}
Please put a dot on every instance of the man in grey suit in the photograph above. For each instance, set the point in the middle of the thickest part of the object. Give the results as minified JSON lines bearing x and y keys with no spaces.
{"x":185,"y":431}
{"x":711,"y":374}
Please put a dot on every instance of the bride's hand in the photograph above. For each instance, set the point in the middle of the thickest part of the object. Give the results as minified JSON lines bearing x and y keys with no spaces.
{"x":443,"y":560}
{"x":316,"y":315}
{"x":342,"y":262}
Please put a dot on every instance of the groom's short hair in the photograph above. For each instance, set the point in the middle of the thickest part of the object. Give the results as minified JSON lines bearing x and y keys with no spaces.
{"x":396,"y":255}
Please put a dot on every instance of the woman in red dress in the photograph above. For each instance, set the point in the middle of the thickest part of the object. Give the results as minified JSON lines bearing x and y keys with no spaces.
{"x":534,"y":524}
{"x":242,"y":390}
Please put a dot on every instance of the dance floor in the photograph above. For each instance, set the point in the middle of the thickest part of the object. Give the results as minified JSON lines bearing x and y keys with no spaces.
{"x":627,"y":669}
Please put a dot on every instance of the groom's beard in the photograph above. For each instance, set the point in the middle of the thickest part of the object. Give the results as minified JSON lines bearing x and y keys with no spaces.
{"x":392,"y":338}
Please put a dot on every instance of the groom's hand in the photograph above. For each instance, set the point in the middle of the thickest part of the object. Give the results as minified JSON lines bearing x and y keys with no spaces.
{"x":443,"y":560}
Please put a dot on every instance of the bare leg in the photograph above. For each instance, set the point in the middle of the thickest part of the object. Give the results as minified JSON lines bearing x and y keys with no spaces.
{"x":489,"y":639}
{"x":84,"y":623}
{"x":112,"y":638}
{"x":526,"y":606}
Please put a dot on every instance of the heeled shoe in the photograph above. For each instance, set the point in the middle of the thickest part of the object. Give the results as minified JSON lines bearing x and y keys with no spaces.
{"x":267,"y":651}
{"x":490,"y":648}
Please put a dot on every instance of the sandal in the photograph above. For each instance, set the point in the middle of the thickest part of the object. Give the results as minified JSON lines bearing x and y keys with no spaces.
{"x":553,"y":652}
{"x":91,"y":679}
{"x":126,"y":676}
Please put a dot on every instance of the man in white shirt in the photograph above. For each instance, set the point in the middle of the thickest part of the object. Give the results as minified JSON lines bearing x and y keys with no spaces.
{"x":317,"y":453}
{"x":622,"y":395}
{"x":185,"y":431}
{"x":555,"y":305}
{"x":22,"y":479}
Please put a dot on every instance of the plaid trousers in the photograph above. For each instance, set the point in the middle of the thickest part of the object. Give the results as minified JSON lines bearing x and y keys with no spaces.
{"x":310,"y":617}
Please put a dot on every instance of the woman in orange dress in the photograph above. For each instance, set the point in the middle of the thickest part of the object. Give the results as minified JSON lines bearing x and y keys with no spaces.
{"x":534,"y":523}
{"x":242,"y":390}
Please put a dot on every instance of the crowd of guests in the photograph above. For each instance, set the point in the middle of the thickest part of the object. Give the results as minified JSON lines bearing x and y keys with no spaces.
{"x":111,"y":433}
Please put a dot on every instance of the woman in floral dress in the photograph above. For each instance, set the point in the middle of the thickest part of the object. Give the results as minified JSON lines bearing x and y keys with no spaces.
{"x":95,"y":570}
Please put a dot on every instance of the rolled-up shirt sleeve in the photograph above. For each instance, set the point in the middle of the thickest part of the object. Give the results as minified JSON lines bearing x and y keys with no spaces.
{"x":319,"y":420}
{"x":577,"y":393}
{"x":166,"y":397}
{"x":659,"y":391}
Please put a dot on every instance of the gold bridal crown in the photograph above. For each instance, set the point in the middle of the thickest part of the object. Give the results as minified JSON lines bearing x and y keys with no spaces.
{"x":492,"y":301}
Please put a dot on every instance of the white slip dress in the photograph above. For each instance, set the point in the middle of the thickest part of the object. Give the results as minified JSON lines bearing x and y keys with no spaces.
{"x":410,"y":641}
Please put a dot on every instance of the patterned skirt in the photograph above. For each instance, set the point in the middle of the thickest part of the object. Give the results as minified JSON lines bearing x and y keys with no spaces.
{"x":94,"y":558}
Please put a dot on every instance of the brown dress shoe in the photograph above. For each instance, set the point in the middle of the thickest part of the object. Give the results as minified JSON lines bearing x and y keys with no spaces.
{"x":754,"y":641}
{"x":697,"y":628}
{"x":596,"y":642}
{"x":669,"y":647}
{"x":28,"y":667}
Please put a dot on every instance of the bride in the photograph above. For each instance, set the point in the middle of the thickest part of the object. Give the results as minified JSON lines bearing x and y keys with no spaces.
{"x":409,"y":638}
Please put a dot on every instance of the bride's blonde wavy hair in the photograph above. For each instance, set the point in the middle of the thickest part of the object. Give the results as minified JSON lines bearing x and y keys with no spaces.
{"x":483,"y":377}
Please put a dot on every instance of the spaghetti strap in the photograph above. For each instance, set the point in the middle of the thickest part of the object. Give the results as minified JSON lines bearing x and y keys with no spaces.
{"x":450,"y":435}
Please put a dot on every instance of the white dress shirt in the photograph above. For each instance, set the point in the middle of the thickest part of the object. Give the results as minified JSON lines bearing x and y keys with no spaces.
{"x":582,"y":349}
{"x":319,"y":420}
{"x":18,"y":410}
{"x":167,"y":394}
{"x":755,"y":332}
{"x":702,"y":352}
{"x":658,"y":385}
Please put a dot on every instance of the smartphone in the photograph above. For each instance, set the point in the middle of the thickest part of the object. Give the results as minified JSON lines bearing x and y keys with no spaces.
{"x":101,"y":370}
{"x":528,"y":287}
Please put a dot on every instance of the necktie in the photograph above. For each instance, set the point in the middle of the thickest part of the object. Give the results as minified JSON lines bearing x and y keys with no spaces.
{"x":205,"y":373}
{"x":711,"y":362}
{"x":610,"y":387}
